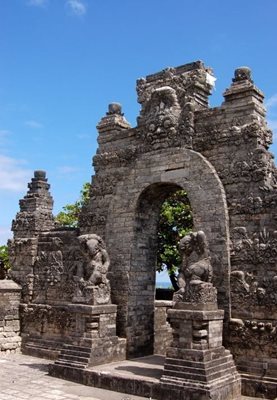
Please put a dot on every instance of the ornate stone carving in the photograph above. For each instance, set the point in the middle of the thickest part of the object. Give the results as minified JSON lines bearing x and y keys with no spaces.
{"x":249,"y":291}
{"x":256,"y":167}
{"x":196,"y":272}
{"x":169,"y":101}
{"x":237,"y":131}
{"x":116,"y":158}
{"x":260,"y":336}
{"x":92,"y":285}
{"x":103,"y":185}
{"x":90,"y":219}
{"x":48,"y":270}
{"x":260,"y":247}
{"x":45,"y":315}
{"x":161,"y":115}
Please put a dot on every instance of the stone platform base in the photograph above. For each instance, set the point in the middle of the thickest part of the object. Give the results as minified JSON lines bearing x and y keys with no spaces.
{"x":258,"y":386}
{"x":259,"y":377}
{"x":73,"y":334}
{"x":205,"y":375}
{"x":140,"y":376}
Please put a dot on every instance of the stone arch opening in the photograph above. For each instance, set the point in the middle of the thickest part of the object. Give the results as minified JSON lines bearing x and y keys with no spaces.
{"x":175,"y":221}
{"x":144,"y":254}
{"x":131,"y":232}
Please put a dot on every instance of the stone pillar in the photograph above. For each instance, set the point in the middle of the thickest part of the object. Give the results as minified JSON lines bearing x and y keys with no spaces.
{"x":10,"y":339}
{"x":197,"y":366}
{"x":111,"y":128}
{"x":35,"y":216}
{"x":35,"y":213}
{"x":243,"y":94}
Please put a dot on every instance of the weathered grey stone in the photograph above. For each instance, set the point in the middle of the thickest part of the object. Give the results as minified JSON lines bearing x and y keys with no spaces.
{"x":10,"y":294}
{"x":220,"y":157}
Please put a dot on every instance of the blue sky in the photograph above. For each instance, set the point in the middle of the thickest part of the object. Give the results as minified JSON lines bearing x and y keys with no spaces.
{"x":64,"y":61}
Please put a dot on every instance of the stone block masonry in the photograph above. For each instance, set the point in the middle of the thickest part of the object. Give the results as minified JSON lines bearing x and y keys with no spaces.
{"x":220,"y":157}
{"x":10,"y":294}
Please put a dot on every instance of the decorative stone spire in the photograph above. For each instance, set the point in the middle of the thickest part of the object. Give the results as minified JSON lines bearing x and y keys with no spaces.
{"x":36,"y":207}
{"x":114,"y":120}
{"x":243,"y":92}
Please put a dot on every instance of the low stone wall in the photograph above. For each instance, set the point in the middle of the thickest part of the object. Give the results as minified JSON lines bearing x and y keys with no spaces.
{"x":10,"y":293}
{"x":162,"y":328}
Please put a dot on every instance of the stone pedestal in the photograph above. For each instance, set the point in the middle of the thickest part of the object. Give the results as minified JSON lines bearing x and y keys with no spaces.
{"x":76,"y":335}
{"x":10,"y":339}
{"x":197,"y":366}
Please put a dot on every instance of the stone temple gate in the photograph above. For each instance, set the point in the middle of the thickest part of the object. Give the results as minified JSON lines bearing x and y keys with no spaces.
{"x":220,"y":157}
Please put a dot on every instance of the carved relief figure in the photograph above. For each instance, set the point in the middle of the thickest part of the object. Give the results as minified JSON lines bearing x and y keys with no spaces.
{"x":196,"y":265}
{"x":97,"y":262}
{"x":161,"y":114}
{"x":196,"y":271}
{"x":92,"y":285}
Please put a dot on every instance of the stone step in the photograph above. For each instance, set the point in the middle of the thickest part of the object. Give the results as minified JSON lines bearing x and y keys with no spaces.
{"x":73,"y":347}
{"x":65,"y":363}
{"x":197,"y":376}
{"x":76,"y":353}
{"x":197,"y":364}
{"x":74,"y":358}
{"x":201,"y":372}
{"x":42,"y":343}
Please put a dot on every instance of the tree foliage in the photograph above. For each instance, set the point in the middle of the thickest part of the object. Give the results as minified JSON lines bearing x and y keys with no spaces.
{"x":4,"y":261}
{"x":175,"y":222}
{"x":70,"y":214}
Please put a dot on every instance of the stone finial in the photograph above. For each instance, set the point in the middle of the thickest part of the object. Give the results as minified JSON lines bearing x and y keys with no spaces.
{"x":40,"y":175}
{"x":115,"y":108}
{"x":243,"y":74}
{"x":36,"y":208}
{"x":38,"y":183}
{"x":243,"y":93}
{"x":114,"y":120}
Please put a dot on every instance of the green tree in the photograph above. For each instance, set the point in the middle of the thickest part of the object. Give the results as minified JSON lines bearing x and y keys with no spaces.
{"x":175,"y":222}
{"x":4,"y":261}
{"x":70,"y":214}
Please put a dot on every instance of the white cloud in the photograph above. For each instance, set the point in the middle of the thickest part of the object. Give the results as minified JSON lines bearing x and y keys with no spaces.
{"x":271,"y":106}
{"x":271,"y":102}
{"x":33,"y":124}
{"x":37,"y":3}
{"x":13,"y":175}
{"x":77,"y":7}
{"x":67,"y":169}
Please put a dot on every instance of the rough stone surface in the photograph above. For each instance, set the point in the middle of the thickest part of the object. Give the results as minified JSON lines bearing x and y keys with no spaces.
{"x":220,"y":157}
{"x":10,"y":293}
{"x":197,"y":365}
{"x":162,"y":328}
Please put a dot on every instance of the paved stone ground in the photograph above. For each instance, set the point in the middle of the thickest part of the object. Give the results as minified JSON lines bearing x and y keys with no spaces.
{"x":25,"y":378}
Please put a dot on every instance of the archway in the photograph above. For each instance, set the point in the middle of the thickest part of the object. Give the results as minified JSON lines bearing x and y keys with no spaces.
{"x":142,"y":276}
{"x":131,"y":229}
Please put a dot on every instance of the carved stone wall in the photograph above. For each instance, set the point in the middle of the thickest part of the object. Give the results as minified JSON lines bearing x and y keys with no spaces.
{"x":10,"y":340}
{"x":220,"y":156}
